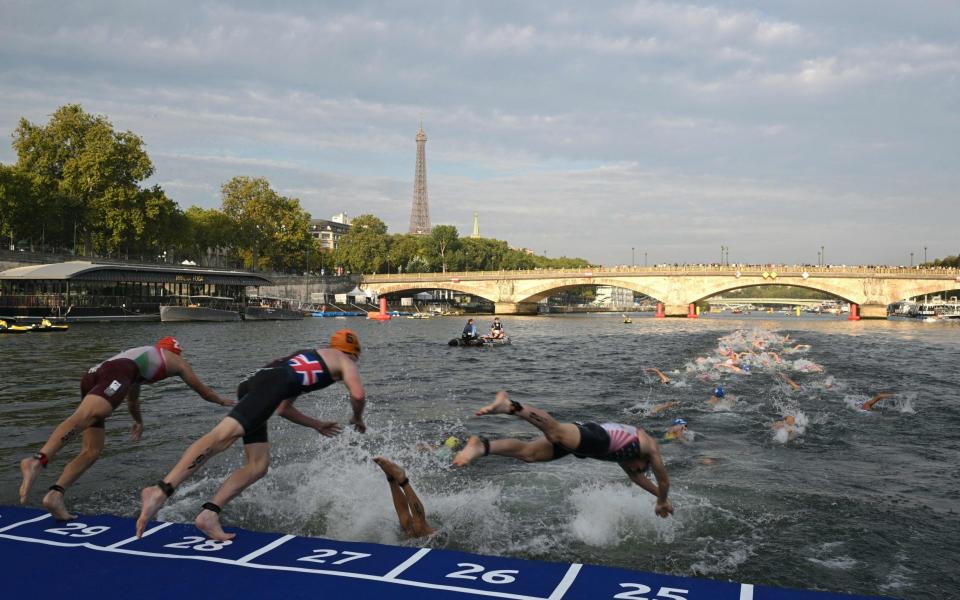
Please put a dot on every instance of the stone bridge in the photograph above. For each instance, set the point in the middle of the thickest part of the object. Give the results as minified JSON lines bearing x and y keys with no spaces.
{"x":677,"y":287}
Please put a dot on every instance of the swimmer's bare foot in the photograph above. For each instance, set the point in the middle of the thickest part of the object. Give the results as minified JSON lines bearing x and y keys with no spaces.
{"x":209,"y":523}
{"x":472,"y":451}
{"x":151,"y":499}
{"x":393,"y":471}
{"x":500,"y":406}
{"x":29,"y":467}
{"x":55,"y":505}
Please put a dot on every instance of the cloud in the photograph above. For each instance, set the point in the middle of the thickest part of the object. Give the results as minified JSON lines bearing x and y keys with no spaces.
{"x":580,"y":129}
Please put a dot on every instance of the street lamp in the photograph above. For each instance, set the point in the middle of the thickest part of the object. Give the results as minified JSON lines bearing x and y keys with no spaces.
{"x":911,"y":260}
{"x":823,"y":257}
{"x":644,"y":259}
{"x":924,"y":255}
{"x":819,"y":261}
{"x":633,"y":259}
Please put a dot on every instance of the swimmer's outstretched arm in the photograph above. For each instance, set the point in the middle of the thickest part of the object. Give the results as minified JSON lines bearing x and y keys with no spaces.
{"x":663,"y":376}
{"x":658,"y":408}
{"x":288,"y":412}
{"x":869,"y":403}
{"x":660,"y":489}
{"x":792,"y":383}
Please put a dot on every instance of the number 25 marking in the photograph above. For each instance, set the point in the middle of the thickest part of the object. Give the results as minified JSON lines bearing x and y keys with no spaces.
{"x":320,"y":556}
{"x":78,"y":530}
{"x":664,"y":592}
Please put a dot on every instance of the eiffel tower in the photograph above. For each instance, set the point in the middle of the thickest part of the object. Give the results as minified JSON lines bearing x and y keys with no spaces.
{"x":420,"y":212}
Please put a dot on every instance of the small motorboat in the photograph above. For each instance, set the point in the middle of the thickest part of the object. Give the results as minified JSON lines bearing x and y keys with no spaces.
{"x":10,"y":328}
{"x":627,"y":319}
{"x":480,"y":341}
{"x":47,"y":326}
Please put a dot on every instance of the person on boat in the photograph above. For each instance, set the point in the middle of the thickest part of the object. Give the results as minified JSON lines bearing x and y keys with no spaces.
{"x":102,"y":389}
{"x":496,"y":330}
{"x":469,"y":331}
{"x":630,"y":447}
{"x":410,"y":511}
{"x":273,"y":387}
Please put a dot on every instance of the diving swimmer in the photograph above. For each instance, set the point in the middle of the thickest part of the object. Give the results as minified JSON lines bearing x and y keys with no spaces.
{"x":102,"y":389}
{"x":630,"y":447}
{"x":410,"y":511}
{"x":273,"y":387}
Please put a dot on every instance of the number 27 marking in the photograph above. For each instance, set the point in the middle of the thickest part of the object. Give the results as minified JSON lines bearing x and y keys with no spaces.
{"x":320,"y":556}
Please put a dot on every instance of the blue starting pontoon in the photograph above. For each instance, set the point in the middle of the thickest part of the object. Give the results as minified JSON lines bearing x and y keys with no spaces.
{"x":99,"y":557}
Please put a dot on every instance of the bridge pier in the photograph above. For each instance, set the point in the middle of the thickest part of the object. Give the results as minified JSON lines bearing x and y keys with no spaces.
{"x":676,"y":310}
{"x":873,"y":311}
{"x":515,"y":308}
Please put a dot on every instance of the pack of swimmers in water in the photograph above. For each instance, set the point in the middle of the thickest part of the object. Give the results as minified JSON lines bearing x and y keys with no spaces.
{"x":274,"y":388}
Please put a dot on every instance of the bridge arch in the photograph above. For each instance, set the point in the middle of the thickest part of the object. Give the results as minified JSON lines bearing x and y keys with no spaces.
{"x":399,"y":288}
{"x":536,"y":293}
{"x":827,"y":289}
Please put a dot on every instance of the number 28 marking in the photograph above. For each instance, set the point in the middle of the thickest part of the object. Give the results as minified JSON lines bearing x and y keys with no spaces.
{"x":664,"y":592}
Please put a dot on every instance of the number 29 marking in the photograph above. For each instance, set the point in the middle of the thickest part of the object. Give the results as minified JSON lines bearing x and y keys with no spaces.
{"x":76,"y":529}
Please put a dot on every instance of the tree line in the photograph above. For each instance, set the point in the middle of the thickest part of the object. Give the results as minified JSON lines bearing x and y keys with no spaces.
{"x":77,"y":186}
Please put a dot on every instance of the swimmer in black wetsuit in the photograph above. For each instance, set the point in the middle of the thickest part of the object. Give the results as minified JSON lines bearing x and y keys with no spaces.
{"x":630,"y":447}
{"x":272,"y":388}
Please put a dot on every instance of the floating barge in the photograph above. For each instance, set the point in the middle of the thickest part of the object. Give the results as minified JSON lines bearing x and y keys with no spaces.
{"x":99,"y":557}
{"x":79,"y":291}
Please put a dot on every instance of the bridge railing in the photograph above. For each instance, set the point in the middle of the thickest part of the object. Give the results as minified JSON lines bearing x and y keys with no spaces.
{"x":772,"y":270}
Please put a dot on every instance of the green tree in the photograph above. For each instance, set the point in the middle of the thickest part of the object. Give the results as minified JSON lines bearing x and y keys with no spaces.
{"x":266,"y":223}
{"x":443,"y":239}
{"x":407,"y":253}
{"x":17,"y":205}
{"x":87,"y":173}
{"x":363,"y":248}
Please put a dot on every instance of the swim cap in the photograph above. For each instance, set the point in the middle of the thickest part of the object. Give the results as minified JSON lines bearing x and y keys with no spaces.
{"x":452,"y":443}
{"x":789,"y":419}
{"x":679,"y":422}
{"x":171,"y":344}
{"x":718,"y":392}
{"x":745,"y":368}
{"x":346,"y":341}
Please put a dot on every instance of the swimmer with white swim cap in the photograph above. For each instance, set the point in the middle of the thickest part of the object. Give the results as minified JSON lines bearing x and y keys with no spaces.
{"x":676,"y":431}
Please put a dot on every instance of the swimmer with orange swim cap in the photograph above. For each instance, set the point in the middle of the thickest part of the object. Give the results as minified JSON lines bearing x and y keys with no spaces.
{"x":102,"y":389}
{"x":272,"y":388}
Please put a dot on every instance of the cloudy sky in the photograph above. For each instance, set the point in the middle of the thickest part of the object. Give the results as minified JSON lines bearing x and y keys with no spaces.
{"x":608,"y":130}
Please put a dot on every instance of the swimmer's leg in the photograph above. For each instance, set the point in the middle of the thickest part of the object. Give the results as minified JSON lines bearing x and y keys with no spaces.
{"x":565,"y":434}
{"x":216,"y":441}
{"x":869,"y":403}
{"x":256,"y":461}
{"x":540,"y":450}
{"x":92,"y":409}
{"x":93,"y":441}
{"x":410,"y":511}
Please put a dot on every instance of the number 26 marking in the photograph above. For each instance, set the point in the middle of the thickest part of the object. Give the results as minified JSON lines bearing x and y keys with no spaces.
{"x":78,"y":530}
{"x":501,"y":576}
{"x":320,"y":556}
{"x":664,"y":592}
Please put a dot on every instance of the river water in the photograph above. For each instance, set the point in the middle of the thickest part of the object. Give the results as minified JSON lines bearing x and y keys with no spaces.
{"x":863,"y":502}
